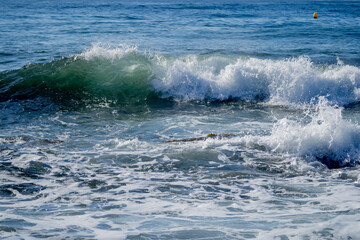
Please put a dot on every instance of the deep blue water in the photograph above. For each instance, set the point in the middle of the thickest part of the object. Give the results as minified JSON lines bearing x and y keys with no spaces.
{"x":40,"y":31}
{"x":179,"y":119}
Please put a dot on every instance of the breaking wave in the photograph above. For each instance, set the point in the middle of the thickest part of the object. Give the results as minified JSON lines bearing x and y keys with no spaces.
{"x":322,"y":135}
{"x":127,"y":76}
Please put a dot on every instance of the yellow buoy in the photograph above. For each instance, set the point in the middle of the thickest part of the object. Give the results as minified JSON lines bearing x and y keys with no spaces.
{"x":315,"y":15}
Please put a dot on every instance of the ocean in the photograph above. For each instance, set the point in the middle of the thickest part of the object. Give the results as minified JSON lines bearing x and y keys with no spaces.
{"x":179,"y":119}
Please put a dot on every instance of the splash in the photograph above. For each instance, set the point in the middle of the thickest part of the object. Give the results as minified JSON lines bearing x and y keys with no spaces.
{"x":98,"y":51}
{"x":327,"y":137}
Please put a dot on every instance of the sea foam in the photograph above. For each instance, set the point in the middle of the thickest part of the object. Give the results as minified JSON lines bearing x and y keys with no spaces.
{"x":283,"y":82}
{"x":326,"y":137}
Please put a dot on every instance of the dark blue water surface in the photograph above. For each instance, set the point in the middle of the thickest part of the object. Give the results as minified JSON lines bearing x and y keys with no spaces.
{"x":39,"y":31}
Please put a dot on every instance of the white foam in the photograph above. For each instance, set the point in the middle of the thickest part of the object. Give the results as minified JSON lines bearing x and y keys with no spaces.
{"x":326,"y":135}
{"x":109,"y":53}
{"x":323,"y":133}
{"x":284,"y":82}
{"x":193,"y":78}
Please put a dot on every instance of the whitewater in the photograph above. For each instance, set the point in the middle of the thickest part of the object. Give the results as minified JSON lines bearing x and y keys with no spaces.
{"x":206,"y":120}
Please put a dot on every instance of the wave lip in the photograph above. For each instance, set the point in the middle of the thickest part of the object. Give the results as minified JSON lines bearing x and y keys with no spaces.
{"x":211,"y":78}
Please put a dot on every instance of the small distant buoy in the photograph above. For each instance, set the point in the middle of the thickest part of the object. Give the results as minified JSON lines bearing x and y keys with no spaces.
{"x":315,"y":15}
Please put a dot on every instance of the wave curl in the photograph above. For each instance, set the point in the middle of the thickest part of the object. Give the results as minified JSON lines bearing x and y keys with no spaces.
{"x":127,"y":76}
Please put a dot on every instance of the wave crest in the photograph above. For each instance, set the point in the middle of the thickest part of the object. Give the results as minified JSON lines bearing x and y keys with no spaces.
{"x":128,"y":76}
{"x":283,"y":82}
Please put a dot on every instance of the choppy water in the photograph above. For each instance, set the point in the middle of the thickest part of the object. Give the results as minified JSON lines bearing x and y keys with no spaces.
{"x":106,"y":111}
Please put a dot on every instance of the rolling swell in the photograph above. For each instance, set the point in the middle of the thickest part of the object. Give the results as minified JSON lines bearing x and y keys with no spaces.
{"x":126,"y":76}
{"x":77,"y":80}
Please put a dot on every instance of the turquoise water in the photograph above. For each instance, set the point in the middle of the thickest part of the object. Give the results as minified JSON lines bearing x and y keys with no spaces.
{"x":179,"y":120}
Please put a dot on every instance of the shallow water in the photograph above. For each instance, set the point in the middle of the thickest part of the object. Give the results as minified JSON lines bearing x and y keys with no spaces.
{"x":105,"y":116}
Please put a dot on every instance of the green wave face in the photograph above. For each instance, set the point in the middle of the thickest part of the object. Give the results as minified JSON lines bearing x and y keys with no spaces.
{"x":77,"y":80}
